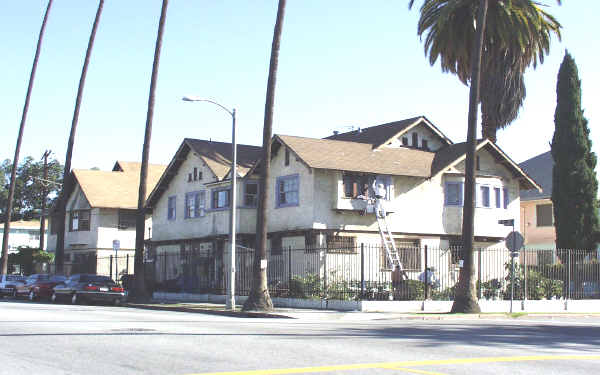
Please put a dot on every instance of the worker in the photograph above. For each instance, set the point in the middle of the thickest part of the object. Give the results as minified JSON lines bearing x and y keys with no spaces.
{"x":380,"y":193}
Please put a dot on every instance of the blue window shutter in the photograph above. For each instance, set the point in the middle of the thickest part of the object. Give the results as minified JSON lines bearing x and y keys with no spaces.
{"x":196,"y":204}
{"x":461,"y":194}
{"x":506,"y":197}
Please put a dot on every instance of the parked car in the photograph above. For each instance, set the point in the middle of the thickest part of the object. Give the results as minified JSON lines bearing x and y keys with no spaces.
{"x":9,"y":283}
{"x":39,"y":286}
{"x":88,"y":287}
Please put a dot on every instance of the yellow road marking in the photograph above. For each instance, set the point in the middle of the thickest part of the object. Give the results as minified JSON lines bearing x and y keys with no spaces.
{"x":433,"y":362}
{"x":415,"y":371}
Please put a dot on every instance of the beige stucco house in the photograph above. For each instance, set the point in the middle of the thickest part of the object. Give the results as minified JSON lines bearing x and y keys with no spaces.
{"x":537,"y":215}
{"x":100,"y":209}
{"x":316,"y":184}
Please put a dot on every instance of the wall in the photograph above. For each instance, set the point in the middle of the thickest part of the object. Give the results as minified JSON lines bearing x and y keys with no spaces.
{"x":213,"y":223}
{"x":536,"y":237}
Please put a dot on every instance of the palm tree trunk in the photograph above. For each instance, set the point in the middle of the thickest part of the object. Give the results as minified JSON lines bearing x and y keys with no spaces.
{"x":139,"y":291}
{"x":465,"y":300}
{"x":259,"y":298}
{"x":66,"y":188}
{"x":13,"y":173}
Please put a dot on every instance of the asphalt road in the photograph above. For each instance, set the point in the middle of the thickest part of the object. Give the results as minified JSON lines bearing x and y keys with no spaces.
{"x":37,"y":338}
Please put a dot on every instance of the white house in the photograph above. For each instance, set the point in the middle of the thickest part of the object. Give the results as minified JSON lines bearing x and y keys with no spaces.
{"x":100,"y":209}
{"x":24,"y":233}
{"x":315,"y":189}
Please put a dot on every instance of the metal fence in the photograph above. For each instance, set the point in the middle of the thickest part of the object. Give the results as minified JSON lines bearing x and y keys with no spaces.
{"x":364,"y":273}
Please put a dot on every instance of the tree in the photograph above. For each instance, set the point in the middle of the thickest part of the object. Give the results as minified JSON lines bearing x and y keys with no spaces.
{"x":68,"y":181}
{"x":259,"y":298}
{"x":11,"y":190}
{"x":574,"y":184}
{"x":517,"y":29}
{"x":139,"y":290}
{"x":518,"y":35}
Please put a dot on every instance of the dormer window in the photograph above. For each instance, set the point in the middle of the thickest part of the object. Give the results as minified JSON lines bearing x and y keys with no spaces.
{"x":404,"y":141}
{"x":287,"y":157}
{"x":415,"y":140}
{"x":425,"y":145}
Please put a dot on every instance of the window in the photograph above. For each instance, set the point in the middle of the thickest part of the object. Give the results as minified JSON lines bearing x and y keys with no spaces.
{"x":220,"y":198}
{"x":171,"y":208}
{"x":404,"y":141}
{"x":409,"y":253}
{"x":415,"y":140}
{"x":477,"y":165}
{"x":288,"y":191}
{"x":250,"y":194}
{"x":194,"y":204}
{"x":544,"y":215}
{"x":127,"y":219}
{"x":276,"y":245}
{"x":287,"y":157}
{"x":195,"y":174}
{"x":425,"y":144}
{"x":497,"y":193}
{"x":485,"y":196}
{"x":80,"y":221}
{"x":341,"y":244}
{"x":190,"y":177}
{"x":454,"y":193}
{"x":505,"y":193}
{"x":362,"y":184}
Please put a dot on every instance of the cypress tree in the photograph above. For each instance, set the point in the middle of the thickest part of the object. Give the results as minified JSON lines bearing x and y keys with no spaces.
{"x":575,"y":187}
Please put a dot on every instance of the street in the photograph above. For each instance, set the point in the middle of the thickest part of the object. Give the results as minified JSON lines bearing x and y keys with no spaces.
{"x":43,"y":338}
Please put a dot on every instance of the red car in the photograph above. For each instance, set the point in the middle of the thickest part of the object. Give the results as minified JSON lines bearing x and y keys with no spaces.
{"x":39,"y":286}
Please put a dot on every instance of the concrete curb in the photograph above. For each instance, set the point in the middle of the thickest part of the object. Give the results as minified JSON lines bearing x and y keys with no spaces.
{"x":199,"y":310}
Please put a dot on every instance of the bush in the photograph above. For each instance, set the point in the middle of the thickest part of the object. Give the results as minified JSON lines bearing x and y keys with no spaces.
{"x":410,"y":290}
{"x":308,"y":286}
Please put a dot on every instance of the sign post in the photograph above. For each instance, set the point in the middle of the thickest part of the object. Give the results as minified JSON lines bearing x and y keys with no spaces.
{"x":514,"y":242}
{"x":116,"y":247}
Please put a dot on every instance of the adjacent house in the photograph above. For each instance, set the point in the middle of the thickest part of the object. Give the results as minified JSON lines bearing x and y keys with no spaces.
{"x":537,"y":215}
{"x":101,"y":208}
{"x":23,"y":233}
{"x":318,"y":191}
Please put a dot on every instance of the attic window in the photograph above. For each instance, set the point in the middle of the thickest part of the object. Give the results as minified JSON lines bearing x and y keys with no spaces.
{"x":425,"y":145}
{"x":287,"y":157}
{"x":404,"y":141}
{"x":415,"y":140}
{"x":477,"y":165}
{"x":189,"y":177}
{"x":195,"y":174}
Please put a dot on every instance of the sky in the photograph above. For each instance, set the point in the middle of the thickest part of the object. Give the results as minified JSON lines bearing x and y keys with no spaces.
{"x":343,"y":64}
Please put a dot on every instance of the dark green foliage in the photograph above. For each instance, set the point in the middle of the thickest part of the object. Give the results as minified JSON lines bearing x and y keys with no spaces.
{"x":575,"y":187}
{"x":29,"y":187}
{"x":27,"y":257}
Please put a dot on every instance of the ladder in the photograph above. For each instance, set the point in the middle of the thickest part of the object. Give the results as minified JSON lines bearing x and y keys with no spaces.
{"x":388,"y":241}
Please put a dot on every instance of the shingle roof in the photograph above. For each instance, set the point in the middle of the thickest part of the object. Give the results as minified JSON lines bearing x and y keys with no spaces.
{"x":360,"y":157}
{"x":132,"y":166}
{"x":217,"y":155}
{"x":379,"y":134}
{"x":540,"y":169}
{"x":116,"y":189}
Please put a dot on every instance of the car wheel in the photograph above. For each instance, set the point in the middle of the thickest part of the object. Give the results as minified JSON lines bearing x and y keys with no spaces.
{"x":117,"y":302}
{"x":54,"y":297}
{"x":74,"y":299}
{"x":32,"y":295}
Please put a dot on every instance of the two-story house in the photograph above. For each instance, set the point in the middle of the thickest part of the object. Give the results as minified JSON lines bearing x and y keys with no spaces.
{"x":101,"y":207}
{"x":318,"y":188}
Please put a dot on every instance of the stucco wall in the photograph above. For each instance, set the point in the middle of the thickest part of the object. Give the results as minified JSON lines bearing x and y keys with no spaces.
{"x":213,"y":223}
{"x":537,"y":237}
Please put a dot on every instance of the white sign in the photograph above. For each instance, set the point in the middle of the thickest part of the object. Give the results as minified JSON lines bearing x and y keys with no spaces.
{"x":263,"y":264}
{"x":116,"y":245}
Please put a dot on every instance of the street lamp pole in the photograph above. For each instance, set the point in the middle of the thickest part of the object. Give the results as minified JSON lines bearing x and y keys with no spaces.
{"x":230,"y":302}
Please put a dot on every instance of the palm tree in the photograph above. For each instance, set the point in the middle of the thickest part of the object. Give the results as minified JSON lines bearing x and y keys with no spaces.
{"x":259,"y":298}
{"x":13,"y":173}
{"x":67,"y":181}
{"x":139,"y":291}
{"x":521,"y":31}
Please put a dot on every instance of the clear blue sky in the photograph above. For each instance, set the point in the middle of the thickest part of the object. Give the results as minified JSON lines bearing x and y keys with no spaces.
{"x":342,"y":63}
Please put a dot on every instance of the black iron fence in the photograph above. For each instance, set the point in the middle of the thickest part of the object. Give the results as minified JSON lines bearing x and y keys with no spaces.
{"x":365,"y":273}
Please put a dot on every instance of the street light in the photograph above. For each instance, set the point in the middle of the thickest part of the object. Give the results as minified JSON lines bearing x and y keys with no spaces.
{"x":230,"y":303}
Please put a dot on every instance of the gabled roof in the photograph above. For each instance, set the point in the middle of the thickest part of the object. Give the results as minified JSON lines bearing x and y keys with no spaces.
{"x":217,"y":157}
{"x":115,"y":189}
{"x":379,"y":135}
{"x":132,"y":166}
{"x":540,"y":169}
{"x":359,"y":157}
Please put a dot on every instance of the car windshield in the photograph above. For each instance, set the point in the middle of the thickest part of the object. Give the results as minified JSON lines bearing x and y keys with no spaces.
{"x":15,"y":278}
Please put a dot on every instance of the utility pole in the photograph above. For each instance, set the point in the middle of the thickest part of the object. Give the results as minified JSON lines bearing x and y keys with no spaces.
{"x":44,"y":197}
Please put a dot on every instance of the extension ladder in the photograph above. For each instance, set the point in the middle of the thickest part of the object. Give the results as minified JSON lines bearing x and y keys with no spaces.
{"x":386,"y":236}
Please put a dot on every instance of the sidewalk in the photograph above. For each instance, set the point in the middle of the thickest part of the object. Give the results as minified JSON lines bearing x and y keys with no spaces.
{"x":309,"y":314}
